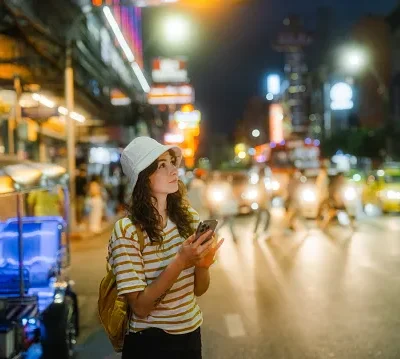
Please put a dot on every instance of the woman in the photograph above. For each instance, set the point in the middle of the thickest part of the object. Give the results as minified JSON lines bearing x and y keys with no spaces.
{"x":161,"y":281}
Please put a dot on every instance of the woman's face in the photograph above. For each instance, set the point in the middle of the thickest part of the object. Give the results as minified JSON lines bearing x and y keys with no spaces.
{"x":165,"y":179}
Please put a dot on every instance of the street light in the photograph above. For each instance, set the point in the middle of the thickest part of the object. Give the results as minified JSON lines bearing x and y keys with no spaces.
{"x":255,"y":133}
{"x":355,"y":59}
{"x":176,"y":29}
{"x":242,"y":155}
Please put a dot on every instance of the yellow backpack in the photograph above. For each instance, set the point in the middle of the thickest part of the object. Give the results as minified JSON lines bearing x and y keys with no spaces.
{"x":114,"y":311}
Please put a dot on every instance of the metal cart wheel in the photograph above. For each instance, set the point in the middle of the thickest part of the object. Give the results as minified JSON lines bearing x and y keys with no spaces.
{"x":59,"y":330}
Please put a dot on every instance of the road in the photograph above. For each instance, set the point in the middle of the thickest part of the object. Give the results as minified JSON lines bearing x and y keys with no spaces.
{"x":287,"y":295}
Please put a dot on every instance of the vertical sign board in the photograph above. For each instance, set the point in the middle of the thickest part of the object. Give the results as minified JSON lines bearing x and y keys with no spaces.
{"x":276,"y":123}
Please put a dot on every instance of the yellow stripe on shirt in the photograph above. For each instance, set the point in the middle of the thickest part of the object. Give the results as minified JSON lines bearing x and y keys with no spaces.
{"x":178,"y":312}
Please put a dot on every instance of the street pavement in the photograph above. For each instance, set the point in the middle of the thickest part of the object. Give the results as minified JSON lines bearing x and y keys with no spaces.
{"x":303,"y":294}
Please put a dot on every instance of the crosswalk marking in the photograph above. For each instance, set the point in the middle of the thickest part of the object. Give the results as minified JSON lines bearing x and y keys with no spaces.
{"x":235,"y":325}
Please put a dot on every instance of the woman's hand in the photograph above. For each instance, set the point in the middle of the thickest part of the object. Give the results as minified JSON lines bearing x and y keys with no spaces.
{"x":209,"y":257}
{"x":193,"y":250}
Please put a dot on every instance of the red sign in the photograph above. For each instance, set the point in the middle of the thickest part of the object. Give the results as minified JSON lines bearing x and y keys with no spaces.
{"x":276,"y":123}
{"x":169,"y":71}
{"x":171,"y":95}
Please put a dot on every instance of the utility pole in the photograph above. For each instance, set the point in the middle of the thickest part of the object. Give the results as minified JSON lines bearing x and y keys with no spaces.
{"x":71,"y":142}
{"x":69,"y":102}
{"x":11,"y":128}
{"x":16,"y":121}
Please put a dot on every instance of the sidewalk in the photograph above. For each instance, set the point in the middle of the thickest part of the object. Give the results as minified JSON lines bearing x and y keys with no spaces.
{"x":84,"y":233}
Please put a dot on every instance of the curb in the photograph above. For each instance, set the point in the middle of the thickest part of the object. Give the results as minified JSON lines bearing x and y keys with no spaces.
{"x":107,"y":226}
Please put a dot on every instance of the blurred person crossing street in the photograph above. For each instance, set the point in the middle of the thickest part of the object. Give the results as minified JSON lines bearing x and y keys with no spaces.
{"x":264,"y":204}
{"x":197,"y":193}
{"x":221,"y":201}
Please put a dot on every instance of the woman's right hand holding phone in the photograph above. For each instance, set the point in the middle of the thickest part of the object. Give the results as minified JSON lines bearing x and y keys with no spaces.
{"x":192,"y":250}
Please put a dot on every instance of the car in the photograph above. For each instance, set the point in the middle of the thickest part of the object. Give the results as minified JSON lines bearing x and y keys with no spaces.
{"x":232,"y":186}
{"x":383,"y":188}
{"x":309,"y":199}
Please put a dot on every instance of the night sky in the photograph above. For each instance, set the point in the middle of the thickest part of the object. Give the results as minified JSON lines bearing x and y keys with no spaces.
{"x":231,"y":52}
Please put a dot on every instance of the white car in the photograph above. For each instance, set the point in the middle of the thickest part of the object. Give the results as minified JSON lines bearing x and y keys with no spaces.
{"x":309,"y":199}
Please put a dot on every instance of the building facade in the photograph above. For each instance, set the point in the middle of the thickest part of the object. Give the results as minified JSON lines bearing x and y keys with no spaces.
{"x":292,"y":40}
{"x":110,"y":84}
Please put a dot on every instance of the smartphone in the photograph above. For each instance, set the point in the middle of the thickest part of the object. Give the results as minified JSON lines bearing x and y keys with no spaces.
{"x":205,"y":226}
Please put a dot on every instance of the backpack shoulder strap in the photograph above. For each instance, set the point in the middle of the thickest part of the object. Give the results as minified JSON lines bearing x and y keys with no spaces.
{"x":140,"y":234}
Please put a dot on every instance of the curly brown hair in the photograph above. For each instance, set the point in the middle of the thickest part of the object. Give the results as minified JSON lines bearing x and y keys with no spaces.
{"x":143,"y":212}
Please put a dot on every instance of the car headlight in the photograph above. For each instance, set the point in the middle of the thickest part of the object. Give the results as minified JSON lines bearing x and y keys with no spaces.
{"x":276,"y":185}
{"x":350,"y":194}
{"x":254,"y":178}
{"x":392,"y":194}
{"x":216,"y":195}
{"x":308,"y":195}
{"x":250,"y":194}
{"x":272,"y":185}
{"x":254,"y":206}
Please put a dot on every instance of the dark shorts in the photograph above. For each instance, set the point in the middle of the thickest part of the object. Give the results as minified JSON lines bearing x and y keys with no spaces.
{"x":155,"y":343}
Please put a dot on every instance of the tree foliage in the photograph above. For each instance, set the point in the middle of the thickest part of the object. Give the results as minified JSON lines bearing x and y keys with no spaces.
{"x":358,"y":142}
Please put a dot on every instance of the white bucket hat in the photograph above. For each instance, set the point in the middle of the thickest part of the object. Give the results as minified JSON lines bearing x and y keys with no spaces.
{"x":140,"y":154}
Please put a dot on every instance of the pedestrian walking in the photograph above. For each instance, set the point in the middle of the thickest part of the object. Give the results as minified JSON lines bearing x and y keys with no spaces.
{"x":197,"y":194}
{"x":263,"y":212}
{"x":95,"y":204}
{"x":223,"y":204}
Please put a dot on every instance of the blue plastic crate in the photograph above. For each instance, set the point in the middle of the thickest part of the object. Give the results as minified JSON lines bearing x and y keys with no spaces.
{"x":41,"y":246}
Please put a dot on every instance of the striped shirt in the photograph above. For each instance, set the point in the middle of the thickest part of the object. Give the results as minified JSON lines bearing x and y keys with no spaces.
{"x":178,"y":312}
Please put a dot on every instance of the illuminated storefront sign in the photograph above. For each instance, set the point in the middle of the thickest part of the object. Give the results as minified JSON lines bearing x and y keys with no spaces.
{"x":128,"y":18}
{"x":169,"y":71}
{"x":188,"y":119}
{"x":273,"y":84}
{"x":174,"y":137}
{"x":276,"y":123}
{"x":118,"y":98}
{"x":342,"y":96}
{"x":171,"y":95}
